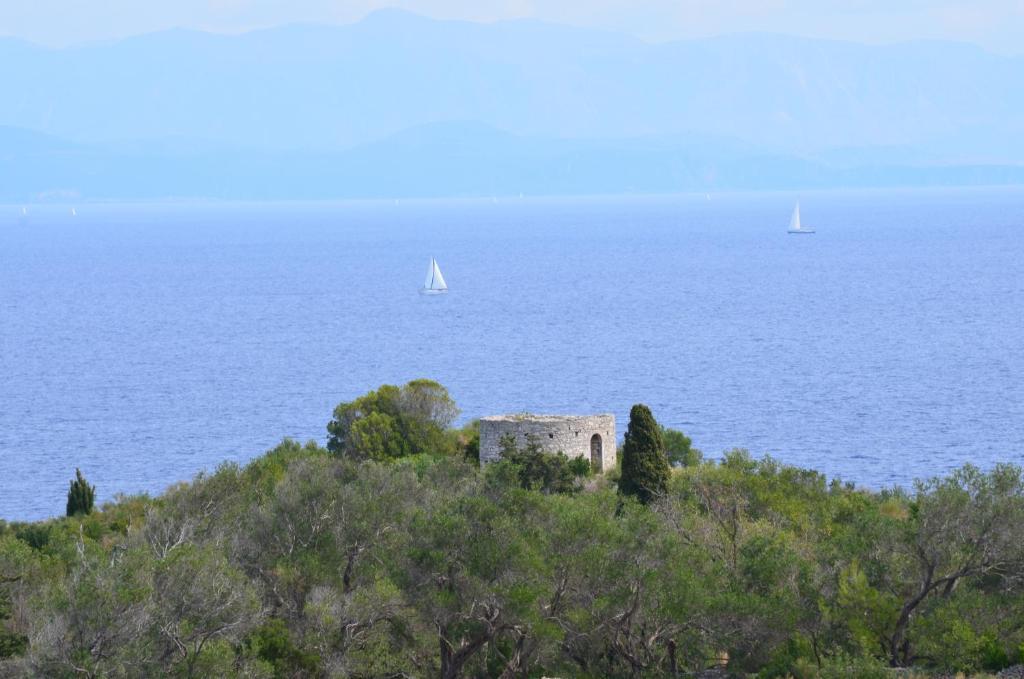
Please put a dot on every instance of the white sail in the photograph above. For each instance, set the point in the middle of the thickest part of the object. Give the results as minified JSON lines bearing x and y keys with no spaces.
{"x":435,"y":281}
{"x":794,"y":221}
{"x":439,"y":283}
{"x":795,"y":225}
{"x":428,"y":284}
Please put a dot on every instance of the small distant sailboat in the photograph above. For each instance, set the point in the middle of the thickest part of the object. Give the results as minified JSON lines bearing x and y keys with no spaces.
{"x":74,"y":213}
{"x":24,"y":212}
{"x":434,"y":284}
{"x":794,"y":222}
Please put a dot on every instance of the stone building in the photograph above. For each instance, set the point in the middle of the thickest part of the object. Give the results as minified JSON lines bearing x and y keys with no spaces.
{"x":588,"y":436}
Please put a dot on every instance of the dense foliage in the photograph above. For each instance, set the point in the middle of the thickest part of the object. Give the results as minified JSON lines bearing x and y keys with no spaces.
{"x":393,"y":422}
{"x":679,"y":448}
{"x":645,"y":470}
{"x":313,"y":563}
{"x":81,"y":496}
{"x":538,"y":470}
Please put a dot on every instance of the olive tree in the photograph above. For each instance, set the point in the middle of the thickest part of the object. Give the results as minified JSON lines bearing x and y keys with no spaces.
{"x":200,"y":599}
{"x":957,"y":529}
{"x":393,"y":421}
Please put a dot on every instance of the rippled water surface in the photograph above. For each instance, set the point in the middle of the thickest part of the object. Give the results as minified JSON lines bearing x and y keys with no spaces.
{"x":144,"y":343}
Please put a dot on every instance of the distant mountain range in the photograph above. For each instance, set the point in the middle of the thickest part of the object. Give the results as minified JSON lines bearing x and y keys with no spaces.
{"x":400,"y":105}
{"x":440,"y":160}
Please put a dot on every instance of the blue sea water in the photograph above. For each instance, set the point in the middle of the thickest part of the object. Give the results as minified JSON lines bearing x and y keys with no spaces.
{"x":144,"y":343}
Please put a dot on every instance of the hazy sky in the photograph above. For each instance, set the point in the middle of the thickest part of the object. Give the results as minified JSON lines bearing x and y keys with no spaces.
{"x":995,"y":24}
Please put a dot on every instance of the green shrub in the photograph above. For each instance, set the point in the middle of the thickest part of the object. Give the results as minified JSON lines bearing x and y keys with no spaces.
{"x":469,"y":441}
{"x":849,"y":667}
{"x":35,"y":535}
{"x":792,"y":660}
{"x":993,"y":657}
{"x":580,"y":467}
{"x":11,"y":644}
{"x":272,"y":643}
{"x":539,"y":470}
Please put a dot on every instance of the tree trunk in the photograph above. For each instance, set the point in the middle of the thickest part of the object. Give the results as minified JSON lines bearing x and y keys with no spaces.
{"x":673,"y":668}
{"x":899,"y":645}
{"x":514,"y":666}
{"x":448,"y":670}
{"x":452,"y":660}
{"x":346,"y":578}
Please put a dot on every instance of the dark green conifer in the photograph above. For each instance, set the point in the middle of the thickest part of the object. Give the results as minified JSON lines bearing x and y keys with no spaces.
{"x":80,"y":496}
{"x":645,"y":469}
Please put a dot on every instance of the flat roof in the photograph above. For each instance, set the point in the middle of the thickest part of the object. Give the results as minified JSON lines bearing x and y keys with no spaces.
{"x":530,"y":417}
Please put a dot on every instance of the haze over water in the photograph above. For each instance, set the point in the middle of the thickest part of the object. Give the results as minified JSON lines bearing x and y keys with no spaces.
{"x":144,"y":343}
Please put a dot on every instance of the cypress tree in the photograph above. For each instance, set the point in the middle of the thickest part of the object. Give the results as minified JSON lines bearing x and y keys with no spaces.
{"x":645,"y":469}
{"x":80,"y":495}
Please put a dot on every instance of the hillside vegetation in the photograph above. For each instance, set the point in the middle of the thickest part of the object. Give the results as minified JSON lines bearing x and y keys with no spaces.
{"x":393,"y":554}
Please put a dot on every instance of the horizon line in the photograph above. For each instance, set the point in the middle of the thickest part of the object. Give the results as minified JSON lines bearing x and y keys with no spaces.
{"x":397,"y":11}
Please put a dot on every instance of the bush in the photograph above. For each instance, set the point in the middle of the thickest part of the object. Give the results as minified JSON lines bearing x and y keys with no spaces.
{"x":845,"y":667}
{"x":469,"y":441}
{"x":272,"y":643}
{"x":35,"y":535}
{"x":580,"y":467}
{"x":784,"y":663}
{"x":11,"y":644}
{"x":538,"y":470}
{"x":993,"y":657}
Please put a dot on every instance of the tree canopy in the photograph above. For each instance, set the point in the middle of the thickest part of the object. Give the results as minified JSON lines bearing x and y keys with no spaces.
{"x":307,"y":563}
{"x":645,"y":470}
{"x":393,"y":422}
{"x":81,"y":495}
{"x":679,"y":448}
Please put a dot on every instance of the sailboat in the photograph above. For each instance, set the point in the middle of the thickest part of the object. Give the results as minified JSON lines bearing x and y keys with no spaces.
{"x":74,"y":212}
{"x":434,"y":284}
{"x":794,"y":222}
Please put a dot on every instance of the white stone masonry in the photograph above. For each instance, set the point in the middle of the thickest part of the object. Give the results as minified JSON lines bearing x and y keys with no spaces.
{"x":587,"y":436}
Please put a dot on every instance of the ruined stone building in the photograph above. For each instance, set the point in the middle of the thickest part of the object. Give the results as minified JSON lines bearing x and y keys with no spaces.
{"x":588,"y":436}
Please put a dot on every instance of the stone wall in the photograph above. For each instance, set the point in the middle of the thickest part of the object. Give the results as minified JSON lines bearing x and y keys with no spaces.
{"x":573,"y":435}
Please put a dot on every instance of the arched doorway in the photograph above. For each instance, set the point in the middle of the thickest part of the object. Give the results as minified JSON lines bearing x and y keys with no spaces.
{"x":596,"y":457}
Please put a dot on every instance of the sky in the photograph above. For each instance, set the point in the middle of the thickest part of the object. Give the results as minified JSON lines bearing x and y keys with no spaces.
{"x":997,"y":25}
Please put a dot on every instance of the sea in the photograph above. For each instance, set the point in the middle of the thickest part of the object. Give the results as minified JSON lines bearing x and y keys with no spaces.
{"x":145,"y":343}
